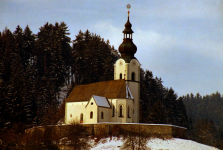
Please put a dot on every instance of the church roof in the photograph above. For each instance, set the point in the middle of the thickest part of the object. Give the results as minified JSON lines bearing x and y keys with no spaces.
{"x":101,"y":101}
{"x":109,"y":89}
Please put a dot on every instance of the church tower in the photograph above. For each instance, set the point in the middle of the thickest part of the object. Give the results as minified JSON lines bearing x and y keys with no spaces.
{"x":128,"y":67}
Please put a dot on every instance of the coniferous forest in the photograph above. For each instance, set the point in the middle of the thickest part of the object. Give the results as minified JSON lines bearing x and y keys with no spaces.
{"x":205,"y":115}
{"x":35,"y":67}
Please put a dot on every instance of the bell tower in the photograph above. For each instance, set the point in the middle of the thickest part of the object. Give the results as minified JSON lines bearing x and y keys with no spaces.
{"x":128,"y":67}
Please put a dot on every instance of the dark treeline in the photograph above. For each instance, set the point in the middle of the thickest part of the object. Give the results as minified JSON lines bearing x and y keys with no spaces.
{"x":34,"y":68}
{"x":205,"y":115}
{"x":159,"y":104}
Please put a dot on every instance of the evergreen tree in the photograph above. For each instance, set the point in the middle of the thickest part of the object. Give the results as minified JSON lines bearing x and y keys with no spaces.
{"x":159,"y":104}
{"x":32,"y":71}
{"x":29,"y":95}
{"x":16,"y":91}
{"x":94,"y":59}
{"x":6,"y":53}
{"x":28,"y":47}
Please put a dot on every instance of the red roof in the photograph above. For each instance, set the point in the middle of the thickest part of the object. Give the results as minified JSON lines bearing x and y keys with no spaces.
{"x":109,"y":89}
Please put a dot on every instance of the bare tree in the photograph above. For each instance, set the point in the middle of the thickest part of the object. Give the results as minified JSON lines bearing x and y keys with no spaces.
{"x":134,"y":138}
{"x":41,"y":138}
{"x":78,"y":136}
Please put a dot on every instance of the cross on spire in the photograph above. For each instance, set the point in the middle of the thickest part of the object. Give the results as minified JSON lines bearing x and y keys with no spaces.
{"x":128,"y":7}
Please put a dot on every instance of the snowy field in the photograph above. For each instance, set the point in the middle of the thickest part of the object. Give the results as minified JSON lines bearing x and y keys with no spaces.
{"x":155,"y":144}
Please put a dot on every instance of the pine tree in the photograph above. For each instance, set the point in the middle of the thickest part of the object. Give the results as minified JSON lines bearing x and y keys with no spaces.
{"x":94,"y":58}
{"x":159,"y":104}
{"x":6,"y":52}
{"x":52,"y":66}
{"x":16,"y":90}
{"x":28,"y":47}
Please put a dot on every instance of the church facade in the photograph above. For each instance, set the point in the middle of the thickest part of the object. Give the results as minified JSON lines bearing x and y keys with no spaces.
{"x":110,"y":101}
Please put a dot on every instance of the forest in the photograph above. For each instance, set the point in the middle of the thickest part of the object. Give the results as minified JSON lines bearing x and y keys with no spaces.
{"x":205,"y":118}
{"x":35,"y":67}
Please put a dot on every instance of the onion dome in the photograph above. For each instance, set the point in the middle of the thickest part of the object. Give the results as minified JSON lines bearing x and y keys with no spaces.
{"x":127,"y":48}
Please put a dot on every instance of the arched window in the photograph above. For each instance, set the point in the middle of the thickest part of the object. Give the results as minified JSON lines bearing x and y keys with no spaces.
{"x":102,"y":115}
{"x":121,"y":111}
{"x":133,"y":76}
{"x":81,"y":118}
{"x":129,"y":112}
{"x":91,"y":115}
{"x":120,"y":76}
{"x":113,"y":111}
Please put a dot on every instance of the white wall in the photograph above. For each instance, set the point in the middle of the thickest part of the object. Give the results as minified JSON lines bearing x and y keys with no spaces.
{"x":128,"y":68}
{"x":129,"y":103}
{"x":117,"y":103}
{"x":135,"y":89}
{"x":113,"y":103}
{"x":73,"y":111}
{"x":106,"y":112}
{"x":94,"y":109}
{"x":120,"y":67}
{"x":134,"y":66}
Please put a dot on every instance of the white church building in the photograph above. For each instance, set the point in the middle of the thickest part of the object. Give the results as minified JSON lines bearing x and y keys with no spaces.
{"x":110,"y":101}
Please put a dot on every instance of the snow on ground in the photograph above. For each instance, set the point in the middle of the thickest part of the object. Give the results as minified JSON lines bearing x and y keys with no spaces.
{"x":177,"y":144}
{"x":155,"y":144}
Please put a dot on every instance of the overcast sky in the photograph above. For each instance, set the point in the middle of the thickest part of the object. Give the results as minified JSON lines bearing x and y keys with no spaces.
{"x":180,"y":41}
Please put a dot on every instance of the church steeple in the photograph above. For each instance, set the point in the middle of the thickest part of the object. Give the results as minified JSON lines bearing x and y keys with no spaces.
{"x":127,"y":48}
{"x":128,"y":67}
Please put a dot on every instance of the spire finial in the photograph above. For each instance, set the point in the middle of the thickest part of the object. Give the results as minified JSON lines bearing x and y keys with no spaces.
{"x":128,"y":7}
{"x":127,"y":48}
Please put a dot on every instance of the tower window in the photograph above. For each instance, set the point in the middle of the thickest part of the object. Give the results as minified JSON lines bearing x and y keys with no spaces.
{"x":91,"y":115}
{"x":91,"y":103}
{"x":120,"y":75}
{"x":102,"y":115}
{"x":133,"y":76}
{"x":120,"y":111}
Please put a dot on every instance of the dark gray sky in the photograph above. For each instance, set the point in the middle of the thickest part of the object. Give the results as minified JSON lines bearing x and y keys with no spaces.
{"x":180,"y":41}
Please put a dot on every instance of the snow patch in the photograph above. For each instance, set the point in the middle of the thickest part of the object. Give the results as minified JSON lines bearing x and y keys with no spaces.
{"x":154,"y":144}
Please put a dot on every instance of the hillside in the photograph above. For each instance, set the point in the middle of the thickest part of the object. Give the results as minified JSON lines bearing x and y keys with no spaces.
{"x":154,"y":144}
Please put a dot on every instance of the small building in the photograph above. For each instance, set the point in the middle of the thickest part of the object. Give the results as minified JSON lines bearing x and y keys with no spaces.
{"x":110,"y":101}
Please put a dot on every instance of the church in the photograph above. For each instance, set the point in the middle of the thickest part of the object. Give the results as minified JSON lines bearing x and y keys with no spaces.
{"x":110,"y":101}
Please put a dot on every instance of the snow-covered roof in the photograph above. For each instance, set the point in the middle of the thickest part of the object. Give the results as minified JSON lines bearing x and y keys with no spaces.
{"x":128,"y":92}
{"x":101,"y":101}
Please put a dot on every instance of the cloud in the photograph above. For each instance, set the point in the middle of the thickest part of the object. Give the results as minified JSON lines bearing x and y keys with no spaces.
{"x":107,"y":30}
{"x":205,"y":47}
{"x":141,"y":38}
{"x":154,"y":39}
{"x":186,"y":9}
{"x":199,"y":45}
